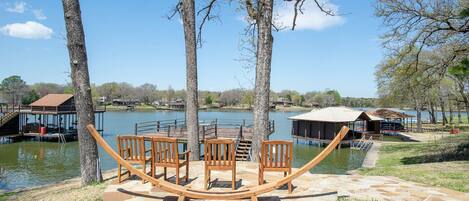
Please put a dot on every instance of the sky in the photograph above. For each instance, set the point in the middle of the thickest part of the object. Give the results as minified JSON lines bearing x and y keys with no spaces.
{"x":134,"y":42}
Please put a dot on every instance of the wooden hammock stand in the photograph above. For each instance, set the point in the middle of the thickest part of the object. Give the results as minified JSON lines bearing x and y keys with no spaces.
{"x":184,"y":192}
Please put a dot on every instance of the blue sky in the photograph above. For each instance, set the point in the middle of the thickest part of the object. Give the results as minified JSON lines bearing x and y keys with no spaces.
{"x":133,"y":41}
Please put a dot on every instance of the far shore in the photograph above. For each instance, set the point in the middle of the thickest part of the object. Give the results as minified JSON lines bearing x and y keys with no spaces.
{"x":147,"y":108}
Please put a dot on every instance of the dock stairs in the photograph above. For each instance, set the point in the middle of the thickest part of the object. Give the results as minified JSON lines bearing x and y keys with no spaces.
{"x":363,"y":143}
{"x":7,"y":118}
{"x":243,"y":150}
{"x":9,"y":123}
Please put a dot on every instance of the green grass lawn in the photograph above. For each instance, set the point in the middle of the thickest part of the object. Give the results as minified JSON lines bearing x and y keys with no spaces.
{"x":5,"y":196}
{"x":442,"y":163}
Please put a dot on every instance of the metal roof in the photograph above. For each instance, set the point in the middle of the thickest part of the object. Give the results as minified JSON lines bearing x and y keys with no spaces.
{"x":52,"y":100}
{"x":335,"y":114}
{"x":389,"y":113}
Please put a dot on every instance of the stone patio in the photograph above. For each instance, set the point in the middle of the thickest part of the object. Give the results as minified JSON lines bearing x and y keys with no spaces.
{"x":307,"y":187}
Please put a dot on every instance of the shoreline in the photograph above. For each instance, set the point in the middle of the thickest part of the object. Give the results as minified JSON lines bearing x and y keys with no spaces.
{"x":209,"y":109}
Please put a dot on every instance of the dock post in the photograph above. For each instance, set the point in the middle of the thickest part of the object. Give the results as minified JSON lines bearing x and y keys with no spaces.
{"x":157,"y":126}
{"x":169,"y":129}
{"x":203,"y":135}
{"x":216,"y":130}
{"x":272,"y":126}
{"x":175,"y":123}
{"x":241,"y":132}
{"x":135,"y":129}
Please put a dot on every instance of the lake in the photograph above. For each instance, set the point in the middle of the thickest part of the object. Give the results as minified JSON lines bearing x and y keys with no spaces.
{"x":31,"y":163}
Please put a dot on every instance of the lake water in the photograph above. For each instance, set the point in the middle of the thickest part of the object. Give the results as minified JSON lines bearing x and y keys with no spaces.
{"x":30,"y":163}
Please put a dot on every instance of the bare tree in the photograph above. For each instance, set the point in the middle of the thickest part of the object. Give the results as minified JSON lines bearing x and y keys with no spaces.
{"x":260,"y":14}
{"x":419,"y":24}
{"x":89,"y":158}
{"x":187,"y":11}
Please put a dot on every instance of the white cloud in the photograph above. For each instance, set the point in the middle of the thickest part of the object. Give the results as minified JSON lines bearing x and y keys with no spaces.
{"x":18,"y":7}
{"x":28,"y":30}
{"x":311,"y":19}
{"x":39,"y":14}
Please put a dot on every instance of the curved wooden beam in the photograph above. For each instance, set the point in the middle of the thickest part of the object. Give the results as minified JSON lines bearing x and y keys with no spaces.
{"x":230,"y":195}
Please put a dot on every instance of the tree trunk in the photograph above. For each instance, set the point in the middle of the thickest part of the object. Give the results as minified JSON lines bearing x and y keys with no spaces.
{"x":262,"y":83}
{"x":467,"y":111}
{"x":192,"y":122}
{"x":466,"y":105}
{"x":451,"y":115}
{"x":431,"y":113}
{"x":89,"y":158}
{"x":443,"y":111}
{"x":465,"y":100}
{"x":419,"y":120}
{"x":458,"y":105}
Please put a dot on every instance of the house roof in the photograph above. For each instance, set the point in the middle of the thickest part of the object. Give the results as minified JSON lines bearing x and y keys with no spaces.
{"x":388,"y":113}
{"x":52,"y":100}
{"x":335,"y":114}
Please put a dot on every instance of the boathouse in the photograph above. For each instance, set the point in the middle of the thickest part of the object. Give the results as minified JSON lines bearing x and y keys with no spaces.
{"x":53,"y":116}
{"x":393,"y":119}
{"x":322,"y":125}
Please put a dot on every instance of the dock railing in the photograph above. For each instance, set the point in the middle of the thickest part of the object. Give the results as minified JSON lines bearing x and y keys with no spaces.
{"x":206,"y":127}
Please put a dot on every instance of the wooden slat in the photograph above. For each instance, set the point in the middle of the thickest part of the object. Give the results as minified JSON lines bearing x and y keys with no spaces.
{"x":283,"y":155}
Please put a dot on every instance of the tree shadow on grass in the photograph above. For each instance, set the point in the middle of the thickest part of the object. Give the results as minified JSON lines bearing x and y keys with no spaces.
{"x":450,"y":153}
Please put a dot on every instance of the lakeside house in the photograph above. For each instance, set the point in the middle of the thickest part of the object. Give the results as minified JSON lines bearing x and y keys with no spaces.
{"x":312,"y":104}
{"x":101,"y":100}
{"x":177,"y":104}
{"x":282,"y":101}
{"x":322,"y":125}
{"x":125,"y":102}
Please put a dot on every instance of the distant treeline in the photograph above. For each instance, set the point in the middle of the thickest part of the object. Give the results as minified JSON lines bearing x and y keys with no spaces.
{"x":16,"y":91}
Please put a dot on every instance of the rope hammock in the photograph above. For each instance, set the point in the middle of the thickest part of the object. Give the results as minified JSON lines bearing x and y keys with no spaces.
{"x":184,"y":192}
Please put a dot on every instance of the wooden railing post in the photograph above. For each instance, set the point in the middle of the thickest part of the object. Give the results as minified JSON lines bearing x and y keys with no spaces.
{"x":244,"y":122}
{"x":157,"y":126}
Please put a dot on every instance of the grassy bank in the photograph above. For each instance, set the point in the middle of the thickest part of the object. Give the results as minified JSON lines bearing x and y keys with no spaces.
{"x":6,"y":196}
{"x":65,"y":190}
{"x":443,"y":163}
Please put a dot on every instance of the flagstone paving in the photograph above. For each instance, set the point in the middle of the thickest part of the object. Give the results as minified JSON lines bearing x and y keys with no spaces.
{"x":306,"y":187}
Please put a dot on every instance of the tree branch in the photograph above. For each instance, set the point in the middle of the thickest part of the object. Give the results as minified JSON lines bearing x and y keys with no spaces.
{"x":207,"y":17}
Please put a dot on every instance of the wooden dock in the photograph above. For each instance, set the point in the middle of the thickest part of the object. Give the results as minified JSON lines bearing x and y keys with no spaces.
{"x":241,"y":131}
{"x":208,"y":129}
